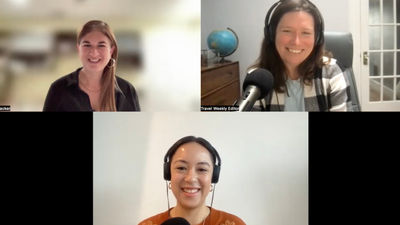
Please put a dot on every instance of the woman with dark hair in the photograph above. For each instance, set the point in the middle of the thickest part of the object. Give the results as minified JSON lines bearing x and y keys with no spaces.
{"x":192,"y":165}
{"x":94,"y":86}
{"x":306,"y":77}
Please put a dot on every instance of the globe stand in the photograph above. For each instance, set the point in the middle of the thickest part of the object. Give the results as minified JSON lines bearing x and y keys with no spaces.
{"x":223,"y":60}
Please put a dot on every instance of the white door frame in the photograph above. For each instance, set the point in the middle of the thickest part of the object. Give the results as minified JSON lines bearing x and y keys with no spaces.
{"x":355,"y":29}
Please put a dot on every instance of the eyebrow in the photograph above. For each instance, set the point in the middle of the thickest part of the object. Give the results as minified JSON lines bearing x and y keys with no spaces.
{"x":291,"y":27}
{"x":199,"y":163}
{"x":88,"y":42}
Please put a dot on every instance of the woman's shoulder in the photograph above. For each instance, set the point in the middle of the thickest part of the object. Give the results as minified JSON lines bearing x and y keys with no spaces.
{"x":66,"y":80}
{"x":123,"y":83}
{"x":125,"y":86}
{"x":128,"y":94}
{"x":330,"y":67}
{"x":252,"y":68}
{"x":221,"y":218}
{"x":155,"y":220}
{"x":328,"y":61}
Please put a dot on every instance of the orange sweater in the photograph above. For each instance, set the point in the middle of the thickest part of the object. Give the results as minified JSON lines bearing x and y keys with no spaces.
{"x":216,"y":217}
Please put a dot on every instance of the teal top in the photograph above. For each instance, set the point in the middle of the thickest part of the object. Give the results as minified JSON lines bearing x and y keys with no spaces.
{"x":294,"y":101}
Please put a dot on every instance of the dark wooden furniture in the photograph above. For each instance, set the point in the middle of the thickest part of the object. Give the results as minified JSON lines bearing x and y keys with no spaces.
{"x":220,"y":84}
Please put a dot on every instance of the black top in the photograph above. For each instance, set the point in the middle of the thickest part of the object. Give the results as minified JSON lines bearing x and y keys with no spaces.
{"x":65,"y":95}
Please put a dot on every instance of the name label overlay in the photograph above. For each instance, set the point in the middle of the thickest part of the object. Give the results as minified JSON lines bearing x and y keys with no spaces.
{"x":5,"y":108}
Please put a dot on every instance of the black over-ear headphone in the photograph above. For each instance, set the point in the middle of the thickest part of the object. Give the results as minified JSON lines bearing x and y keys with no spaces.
{"x":199,"y":140}
{"x":269,"y":33}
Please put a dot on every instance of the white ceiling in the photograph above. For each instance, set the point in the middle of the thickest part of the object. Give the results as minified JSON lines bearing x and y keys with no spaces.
{"x":134,"y":9}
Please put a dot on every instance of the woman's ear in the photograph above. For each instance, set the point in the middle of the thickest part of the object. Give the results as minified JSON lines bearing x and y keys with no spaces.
{"x":112,"y":50}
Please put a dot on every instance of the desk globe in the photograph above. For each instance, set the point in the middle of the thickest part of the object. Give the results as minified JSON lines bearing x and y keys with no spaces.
{"x":223,"y":43}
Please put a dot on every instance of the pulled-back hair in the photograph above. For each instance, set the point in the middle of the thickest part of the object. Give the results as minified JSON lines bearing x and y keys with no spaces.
{"x":199,"y":140}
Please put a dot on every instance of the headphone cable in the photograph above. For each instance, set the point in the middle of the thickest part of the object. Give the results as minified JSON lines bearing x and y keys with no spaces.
{"x":166,"y":185}
{"x":212,"y":198}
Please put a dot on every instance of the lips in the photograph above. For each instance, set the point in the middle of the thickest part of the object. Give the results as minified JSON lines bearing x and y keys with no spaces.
{"x":190,"y":191}
{"x":295,"y":51}
{"x":94,"y":60}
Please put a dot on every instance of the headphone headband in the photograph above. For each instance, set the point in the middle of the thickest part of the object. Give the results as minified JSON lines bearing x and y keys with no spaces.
{"x":268,"y":17}
{"x":269,"y":33}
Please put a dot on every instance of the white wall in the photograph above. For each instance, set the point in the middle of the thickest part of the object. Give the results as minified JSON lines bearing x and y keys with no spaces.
{"x":264,"y":174}
{"x":246,"y":18}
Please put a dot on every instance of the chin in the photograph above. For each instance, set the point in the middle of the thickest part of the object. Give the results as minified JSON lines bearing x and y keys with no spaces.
{"x":96,"y":68}
{"x":191,"y":204}
{"x":294,"y":62}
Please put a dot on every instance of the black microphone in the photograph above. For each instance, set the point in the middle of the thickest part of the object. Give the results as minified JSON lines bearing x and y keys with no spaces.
{"x":176,"y":221}
{"x":256,"y":85}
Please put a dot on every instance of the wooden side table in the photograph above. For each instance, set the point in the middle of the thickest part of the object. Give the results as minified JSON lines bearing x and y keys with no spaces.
{"x":220,"y":84}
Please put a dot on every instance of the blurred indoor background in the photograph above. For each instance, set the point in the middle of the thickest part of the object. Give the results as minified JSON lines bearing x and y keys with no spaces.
{"x":158,"y":41}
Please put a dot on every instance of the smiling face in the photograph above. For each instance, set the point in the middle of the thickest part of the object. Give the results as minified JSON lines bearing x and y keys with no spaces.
{"x":295,"y":38}
{"x":191,"y":173}
{"x":95,"y":51}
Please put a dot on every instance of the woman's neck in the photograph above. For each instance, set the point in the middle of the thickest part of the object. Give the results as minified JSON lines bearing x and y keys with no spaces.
{"x":90,"y":79}
{"x":193,"y":216}
{"x":292,"y":73}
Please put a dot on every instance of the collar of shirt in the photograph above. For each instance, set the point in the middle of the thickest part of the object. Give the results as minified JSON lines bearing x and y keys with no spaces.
{"x":73,"y":80}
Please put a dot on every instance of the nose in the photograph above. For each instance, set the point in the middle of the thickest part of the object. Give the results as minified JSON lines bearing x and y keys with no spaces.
{"x":93,"y":52}
{"x":191,"y":175}
{"x":296,"y":39}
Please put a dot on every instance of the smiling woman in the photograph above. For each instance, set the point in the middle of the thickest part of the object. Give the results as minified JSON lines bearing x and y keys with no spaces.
{"x":306,"y":77}
{"x":192,"y":165}
{"x":94,"y":86}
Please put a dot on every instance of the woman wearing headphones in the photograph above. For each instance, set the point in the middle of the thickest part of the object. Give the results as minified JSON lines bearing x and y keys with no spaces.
{"x":94,"y":86}
{"x":191,"y":167}
{"x":306,"y":78}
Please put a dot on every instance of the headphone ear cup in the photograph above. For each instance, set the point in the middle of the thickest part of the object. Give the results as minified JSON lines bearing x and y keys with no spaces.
{"x":268,"y":34}
{"x":167,"y":171}
{"x":265,"y":32}
{"x":271,"y":36}
{"x":319,"y":37}
{"x":321,"y":34}
{"x":215,"y":176}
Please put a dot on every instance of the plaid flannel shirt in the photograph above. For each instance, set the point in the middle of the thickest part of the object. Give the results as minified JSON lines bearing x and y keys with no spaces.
{"x":329,"y":91}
